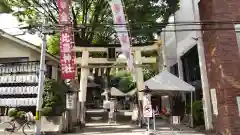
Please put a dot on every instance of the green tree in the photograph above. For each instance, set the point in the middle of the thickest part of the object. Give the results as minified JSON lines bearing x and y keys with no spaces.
{"x":97,"y":17}
{"x":4,"y":8}
{"x":124,"y":81}
{"x":53,"y":44}
{"x":149,"y":72}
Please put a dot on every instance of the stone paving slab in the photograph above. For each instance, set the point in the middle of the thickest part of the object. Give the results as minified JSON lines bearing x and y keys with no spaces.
{"x":128,"y":129}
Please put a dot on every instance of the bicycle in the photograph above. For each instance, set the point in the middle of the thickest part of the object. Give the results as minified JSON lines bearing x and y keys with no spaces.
{"x":12,"y":126}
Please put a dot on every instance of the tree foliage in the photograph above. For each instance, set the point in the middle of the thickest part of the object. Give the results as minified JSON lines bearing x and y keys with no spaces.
{"x":97,"y":17}
{"x":124,"y":81}
{"x":54,"y":98}
{"x":4,"y":8}
{"x":53,"y":44}
{"x":149,"y":72}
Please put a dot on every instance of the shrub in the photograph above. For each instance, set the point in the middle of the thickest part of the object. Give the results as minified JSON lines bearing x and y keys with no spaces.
{"x":16,"y":114}
{"x":46,"y":111}
{"x":12,"y":112}
{"x":54,"y":98}
{"x":20,"y":114}
{"x":198,"y":116}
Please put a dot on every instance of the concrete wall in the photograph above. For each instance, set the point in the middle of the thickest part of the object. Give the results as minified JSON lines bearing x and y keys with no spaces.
{"x":179,"y":42}
{"x":169,"y":46}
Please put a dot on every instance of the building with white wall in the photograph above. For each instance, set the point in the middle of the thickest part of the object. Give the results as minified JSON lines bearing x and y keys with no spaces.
{"x":14,"y":49}
{"x":183,"y":54}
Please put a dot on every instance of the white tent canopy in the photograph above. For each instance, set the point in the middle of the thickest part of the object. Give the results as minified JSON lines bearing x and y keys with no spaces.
{"x":166,"y":81}
{"x":132,"y":92}
{"x":116,"y":92}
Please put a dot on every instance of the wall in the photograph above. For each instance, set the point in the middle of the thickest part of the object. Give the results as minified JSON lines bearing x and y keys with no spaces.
{"x":10,"y":49}
{"x":180,"y":42}
{"x":184,"y":17}
{"x":169,"y":46}
{"x":223,"y":61}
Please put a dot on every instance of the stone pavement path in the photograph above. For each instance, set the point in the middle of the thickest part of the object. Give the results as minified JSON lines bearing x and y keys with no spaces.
{"x":127,"y":129}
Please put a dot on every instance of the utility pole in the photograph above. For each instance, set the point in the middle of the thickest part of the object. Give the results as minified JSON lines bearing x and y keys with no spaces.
{"x":41,"y":80}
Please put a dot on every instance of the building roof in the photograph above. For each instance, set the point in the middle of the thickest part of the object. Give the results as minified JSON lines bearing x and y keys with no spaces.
{"x":27,"y":44}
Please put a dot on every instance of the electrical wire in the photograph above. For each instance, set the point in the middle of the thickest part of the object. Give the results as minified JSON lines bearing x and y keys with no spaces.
{"x":155,"y":24}
{"x":166,"y":30}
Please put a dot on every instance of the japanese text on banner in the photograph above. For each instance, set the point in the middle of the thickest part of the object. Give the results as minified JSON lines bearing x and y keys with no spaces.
{"x":67,"y":55}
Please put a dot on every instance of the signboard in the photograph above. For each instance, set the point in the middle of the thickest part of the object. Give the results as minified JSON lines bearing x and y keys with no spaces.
{"x":147,"y":111}
{"x":70,"y":101}
{"x":147,"y":106}
{"x":214,"y":101}
{"x":121,"y":29}
{"x":67,"y":55}
{"x":238,"y":104}
{"x":175,"y":120}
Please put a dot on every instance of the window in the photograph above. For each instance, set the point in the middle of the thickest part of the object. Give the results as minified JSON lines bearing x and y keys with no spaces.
{"x":191,"y":67}
{"x":49,"y":71}
{"x":174,"y":69}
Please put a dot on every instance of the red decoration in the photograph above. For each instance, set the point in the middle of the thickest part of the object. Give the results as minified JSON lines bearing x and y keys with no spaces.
{"x":119,"y":20}
{"x":124,"y":38}
{"x":116,"y":8}
{"x":67,"y":54}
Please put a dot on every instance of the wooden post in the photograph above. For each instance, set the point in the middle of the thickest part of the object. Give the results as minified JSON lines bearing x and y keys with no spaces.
{"x":83,"y":86}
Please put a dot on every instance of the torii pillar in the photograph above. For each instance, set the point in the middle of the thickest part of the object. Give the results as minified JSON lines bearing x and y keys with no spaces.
{"x":139,"y":80}
{"x":83,"y":85}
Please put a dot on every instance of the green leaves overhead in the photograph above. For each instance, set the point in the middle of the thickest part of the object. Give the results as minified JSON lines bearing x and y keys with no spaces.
{"x":96,"y":15}
{"x":53,"y":44}
{"x":4,"y":8}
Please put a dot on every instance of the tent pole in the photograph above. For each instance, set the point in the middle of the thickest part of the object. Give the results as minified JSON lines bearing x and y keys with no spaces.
{"x":191,"y":117}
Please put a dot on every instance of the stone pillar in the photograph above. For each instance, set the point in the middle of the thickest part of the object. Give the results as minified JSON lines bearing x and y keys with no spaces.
{"x":223,"y":61}
{"x":83,"y":85}
{"x":140,"y":81}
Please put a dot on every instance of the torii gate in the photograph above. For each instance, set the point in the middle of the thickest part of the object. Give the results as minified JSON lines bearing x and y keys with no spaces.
{"x":85,"y":63}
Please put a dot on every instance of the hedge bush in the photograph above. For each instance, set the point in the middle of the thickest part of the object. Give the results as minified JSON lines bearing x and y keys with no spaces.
{"x":198,"y":116}
{"x":16,"y":114}
{"x":54,"y":98}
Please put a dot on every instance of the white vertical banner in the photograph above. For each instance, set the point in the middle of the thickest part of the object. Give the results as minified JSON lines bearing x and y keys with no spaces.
{"x":121,"y":29}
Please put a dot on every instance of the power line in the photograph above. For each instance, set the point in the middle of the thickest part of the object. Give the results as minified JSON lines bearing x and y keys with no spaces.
{"x":57,"y":28}
{"x":186,"y":23}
